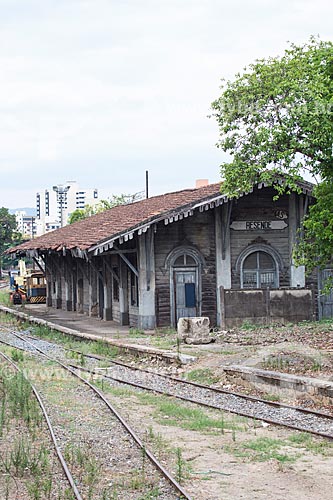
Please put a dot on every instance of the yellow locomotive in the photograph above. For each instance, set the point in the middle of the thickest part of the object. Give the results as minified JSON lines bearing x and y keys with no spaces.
{"x":35,"y":287}
{"x":28,"y":286}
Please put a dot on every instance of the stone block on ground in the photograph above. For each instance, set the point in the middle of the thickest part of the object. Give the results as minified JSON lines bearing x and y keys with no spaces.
{"x":194,"y":330}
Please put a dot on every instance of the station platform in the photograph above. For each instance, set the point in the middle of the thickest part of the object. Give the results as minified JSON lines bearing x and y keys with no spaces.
{"x":79,"y":322}
{"x":90,"y":328}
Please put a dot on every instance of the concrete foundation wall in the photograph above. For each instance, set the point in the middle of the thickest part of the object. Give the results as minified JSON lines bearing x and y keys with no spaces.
{"x":264,"y":306}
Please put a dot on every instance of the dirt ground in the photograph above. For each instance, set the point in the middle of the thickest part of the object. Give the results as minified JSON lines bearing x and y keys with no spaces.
{"x":254,"y":462}
{"x":249,"y":460}
{"x":260,"y":461}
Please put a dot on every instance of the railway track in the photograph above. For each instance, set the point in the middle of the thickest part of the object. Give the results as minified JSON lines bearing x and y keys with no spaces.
{"x":169,"y":487}
{"x":57,"y":448}
{"x":301,"y":419}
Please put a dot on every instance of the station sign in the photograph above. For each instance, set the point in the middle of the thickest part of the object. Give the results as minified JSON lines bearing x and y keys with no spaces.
{"x":258,"y":225}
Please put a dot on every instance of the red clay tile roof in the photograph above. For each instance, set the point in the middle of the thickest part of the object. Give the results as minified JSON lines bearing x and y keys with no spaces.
{"x":118,"y":220}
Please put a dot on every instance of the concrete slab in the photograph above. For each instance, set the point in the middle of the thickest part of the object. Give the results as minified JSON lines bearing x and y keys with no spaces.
{"x":78,"y":322}
{"x":281,"y":380}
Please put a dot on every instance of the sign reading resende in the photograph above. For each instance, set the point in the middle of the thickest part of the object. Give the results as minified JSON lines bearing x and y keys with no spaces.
{"x":258,"y":225}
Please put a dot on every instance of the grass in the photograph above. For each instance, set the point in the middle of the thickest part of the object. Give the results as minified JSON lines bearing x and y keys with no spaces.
{"x":24,"y":457}
{"x":271,"y":397}
{"x":202,"y":376}
{"x":312,"y":444}
{"x":290,"y":360}
{"x":289,"y":450}
{"x":88,"y":466}
{"x":137,"y":333}
{"x":157,"y":440}
{"x":5,"y":298}
{"x":248,"y":326}
{"x":174,"y":413}
{"x":168,"y":411}
{"x":261,"y":450}
{"x":166,"y":343}
{"x":9,"y":319}
{"x":98,"y":347}
{"x":19,"y":402}
{"x":164,"y":338}
{"x":17,"y":355}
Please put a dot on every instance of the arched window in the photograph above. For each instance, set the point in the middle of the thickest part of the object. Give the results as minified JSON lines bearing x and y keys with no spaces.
{"x":259,"y":270}
{"x":184,"y":260}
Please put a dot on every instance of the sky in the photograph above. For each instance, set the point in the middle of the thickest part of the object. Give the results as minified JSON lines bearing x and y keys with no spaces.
{"x":99,"y":91}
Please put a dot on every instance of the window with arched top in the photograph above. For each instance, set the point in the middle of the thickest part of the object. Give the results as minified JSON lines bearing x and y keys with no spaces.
{"x":259,"y":270}
{"x":184,"y":260}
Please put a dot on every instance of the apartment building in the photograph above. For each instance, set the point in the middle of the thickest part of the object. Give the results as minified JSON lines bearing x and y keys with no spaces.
{"x":26,"y":224}
{"x":54,"y":205}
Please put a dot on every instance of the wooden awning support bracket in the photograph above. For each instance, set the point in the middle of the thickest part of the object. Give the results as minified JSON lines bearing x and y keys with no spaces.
{"x":57,"y":266}
{"x":130,"y":265}
{"x":96,"y":270}
{"x":39,"y":266}
{"x":81,"y":267}
{"x":111,"y":271}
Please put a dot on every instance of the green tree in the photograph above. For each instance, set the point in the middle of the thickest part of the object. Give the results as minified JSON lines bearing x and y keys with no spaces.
{"x":78,"y":214}
{"x":277,"y":119}
{"x":7,"y":231}
{"x":103,"y":205}
{"x":316,"y":243}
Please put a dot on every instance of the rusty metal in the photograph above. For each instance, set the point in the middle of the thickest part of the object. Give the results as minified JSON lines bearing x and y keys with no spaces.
{"x":216,"y":407}
{"x":213,"y":389}
{"x":52,"y":434}
{"x":196,"y":384}
{"x":136,"y":438}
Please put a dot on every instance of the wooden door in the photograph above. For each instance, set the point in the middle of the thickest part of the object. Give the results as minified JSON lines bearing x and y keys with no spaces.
{"x":185,"y":286}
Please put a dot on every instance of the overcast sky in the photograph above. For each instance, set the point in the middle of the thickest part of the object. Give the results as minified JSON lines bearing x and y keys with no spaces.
{"x":98,"y":91}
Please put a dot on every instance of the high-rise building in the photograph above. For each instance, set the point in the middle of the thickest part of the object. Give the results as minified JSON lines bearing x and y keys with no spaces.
{"x":26,"y":224}
{"x":55,"y":205}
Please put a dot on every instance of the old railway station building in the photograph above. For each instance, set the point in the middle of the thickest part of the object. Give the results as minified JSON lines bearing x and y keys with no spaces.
{"x":188,"y":253}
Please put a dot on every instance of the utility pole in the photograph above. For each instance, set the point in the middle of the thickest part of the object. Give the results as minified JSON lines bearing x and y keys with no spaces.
{"x":61,"y":197}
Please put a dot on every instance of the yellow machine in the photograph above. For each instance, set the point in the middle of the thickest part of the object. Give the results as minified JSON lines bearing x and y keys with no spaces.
{"x":28,"y":286}
{"x":35,"y":287}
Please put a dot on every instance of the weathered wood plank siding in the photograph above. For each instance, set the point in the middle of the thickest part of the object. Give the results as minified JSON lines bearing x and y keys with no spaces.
{"x":198,"y":232}
{"x":255,"y":207}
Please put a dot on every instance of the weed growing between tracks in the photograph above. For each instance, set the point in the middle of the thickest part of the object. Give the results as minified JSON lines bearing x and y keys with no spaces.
{"x":80,"y":417}
{"x":26,"y":465}
{"x":247,"y":443}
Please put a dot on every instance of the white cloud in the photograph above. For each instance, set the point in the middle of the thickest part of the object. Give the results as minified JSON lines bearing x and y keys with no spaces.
{"x":115,"y":87}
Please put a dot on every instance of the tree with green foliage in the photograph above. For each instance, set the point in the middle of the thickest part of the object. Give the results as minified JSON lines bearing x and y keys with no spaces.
{"x":7,"y":231}
{"x":277,"y":119}
{"x":88,"y":210}
{"x":315,"y":248}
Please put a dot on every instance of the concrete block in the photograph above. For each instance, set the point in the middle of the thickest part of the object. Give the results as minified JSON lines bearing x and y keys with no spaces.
{"x":194,"y":330}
